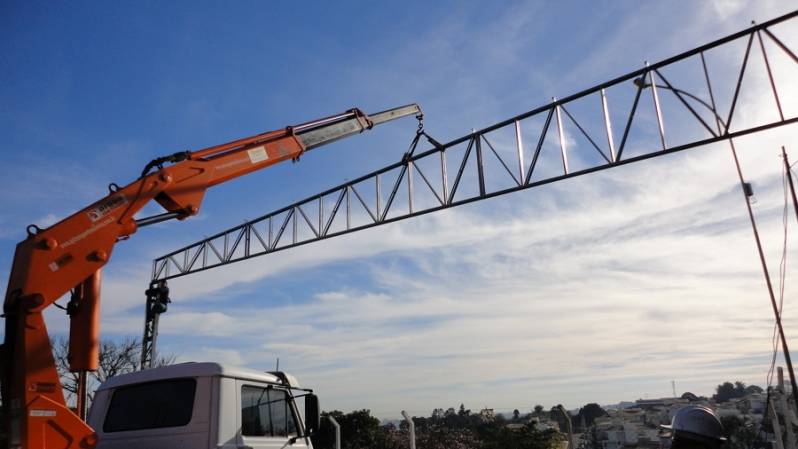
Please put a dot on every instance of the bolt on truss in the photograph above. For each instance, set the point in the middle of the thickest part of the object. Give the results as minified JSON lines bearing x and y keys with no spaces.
{"x":608,"y":125}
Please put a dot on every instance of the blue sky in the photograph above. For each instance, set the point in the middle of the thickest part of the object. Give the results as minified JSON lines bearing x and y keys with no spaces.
{"x":603,"y":288}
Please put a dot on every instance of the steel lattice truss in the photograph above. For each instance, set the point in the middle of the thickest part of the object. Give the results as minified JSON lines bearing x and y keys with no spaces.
{"x":615,"y":123}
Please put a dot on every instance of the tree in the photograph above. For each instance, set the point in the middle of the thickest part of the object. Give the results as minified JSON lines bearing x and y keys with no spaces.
{"x":589,"y":413}
{"x":728,"y":390}
{"x":115,"y":358}
{"x":539,"y":411}
{"x":516,"y":415}
{"x":557,"y":416}
{"x":741,"y":434}
{"x":359,"y":430}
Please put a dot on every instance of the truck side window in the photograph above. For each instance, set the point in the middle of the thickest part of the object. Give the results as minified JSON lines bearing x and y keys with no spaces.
{"x":151,"y":405}
{"x":266,"y":412}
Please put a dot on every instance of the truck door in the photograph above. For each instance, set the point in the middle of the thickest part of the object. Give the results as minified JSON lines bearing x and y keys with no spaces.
{"x":268,"y":417}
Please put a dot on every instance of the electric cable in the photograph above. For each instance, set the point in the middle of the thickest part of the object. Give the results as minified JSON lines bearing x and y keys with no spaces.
{"x":782,"y":276}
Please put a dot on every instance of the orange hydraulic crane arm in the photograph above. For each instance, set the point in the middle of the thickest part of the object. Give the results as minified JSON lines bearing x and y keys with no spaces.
{"x":69,"y":255}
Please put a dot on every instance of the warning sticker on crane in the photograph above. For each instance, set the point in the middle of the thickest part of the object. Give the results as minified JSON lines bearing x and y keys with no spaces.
{"x":257,"y":154}
{"x":106,"y":207}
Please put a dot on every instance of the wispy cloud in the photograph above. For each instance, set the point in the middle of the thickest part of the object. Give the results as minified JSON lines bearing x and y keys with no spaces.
{"x":596,"y":289}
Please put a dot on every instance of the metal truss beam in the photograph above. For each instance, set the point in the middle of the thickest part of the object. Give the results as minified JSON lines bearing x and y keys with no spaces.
{"x":566,"y":138}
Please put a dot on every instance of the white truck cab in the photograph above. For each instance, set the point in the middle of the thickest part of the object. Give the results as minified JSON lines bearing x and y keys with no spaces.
{"x":203,"y":405}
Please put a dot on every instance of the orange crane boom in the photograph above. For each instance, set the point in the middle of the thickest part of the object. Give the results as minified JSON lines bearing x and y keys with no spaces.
{"x":69,"y":256}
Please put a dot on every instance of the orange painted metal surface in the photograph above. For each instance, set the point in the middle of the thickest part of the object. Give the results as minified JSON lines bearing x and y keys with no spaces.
{"x":70,"y":254}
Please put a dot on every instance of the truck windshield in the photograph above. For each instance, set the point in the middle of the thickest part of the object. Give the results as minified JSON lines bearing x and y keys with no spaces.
{"x":266,"y":412}
{"x":151,"y":405}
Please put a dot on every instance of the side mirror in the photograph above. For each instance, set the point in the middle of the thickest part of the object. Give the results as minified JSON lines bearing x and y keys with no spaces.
{"x":312,"y":414}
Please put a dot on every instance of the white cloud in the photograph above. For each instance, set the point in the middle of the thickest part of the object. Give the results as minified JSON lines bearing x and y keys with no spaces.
{"x":596,"y":289}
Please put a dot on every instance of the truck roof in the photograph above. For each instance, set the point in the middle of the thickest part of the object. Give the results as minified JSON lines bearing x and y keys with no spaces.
{"x":194,"y":369}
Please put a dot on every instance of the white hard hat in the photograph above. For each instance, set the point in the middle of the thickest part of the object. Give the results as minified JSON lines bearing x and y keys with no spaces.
{"x":696,"y":423}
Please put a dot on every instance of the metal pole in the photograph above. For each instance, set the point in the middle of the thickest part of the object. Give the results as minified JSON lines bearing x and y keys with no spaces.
{"x":784,"y":347}
{"x":785,"y":411}
{"x":82,"y":394}
{"x":412,"y":427}
{"x":569,"y":426}
{"x":775,"y":422}
{"x":789,"y":179}
{"x":337,"y":432}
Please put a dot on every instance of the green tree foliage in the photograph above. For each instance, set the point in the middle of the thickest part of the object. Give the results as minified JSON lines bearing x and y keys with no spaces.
{"x":741,"y":434}
{"x":557,"y":416}
{"x":359,"y":430}
{"x":449,"y":429}
{"x":728,"y":390}
{"x":589,"y":413}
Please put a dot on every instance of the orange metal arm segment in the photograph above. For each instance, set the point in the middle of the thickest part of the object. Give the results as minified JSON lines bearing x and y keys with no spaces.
{"x":70,"y":254}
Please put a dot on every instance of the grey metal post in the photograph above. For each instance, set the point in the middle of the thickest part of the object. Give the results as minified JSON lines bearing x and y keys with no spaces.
{"x":412,"y":429}
{"x":337,"y":432}
{"x":776,"y":425}
{"x":785,"y":410}
{"x":568,"y":424}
